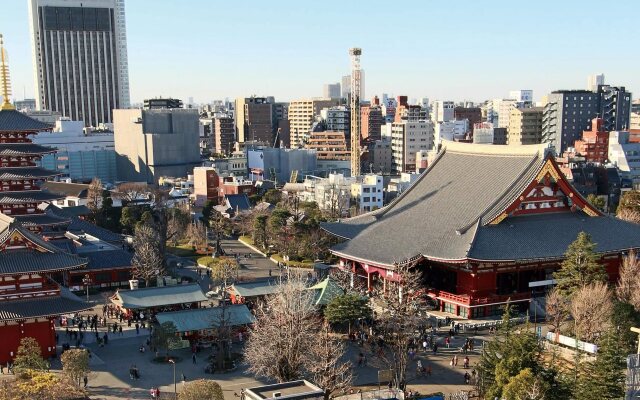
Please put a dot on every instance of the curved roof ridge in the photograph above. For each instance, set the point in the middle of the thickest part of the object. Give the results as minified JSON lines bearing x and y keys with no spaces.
{"x":496,"y":150}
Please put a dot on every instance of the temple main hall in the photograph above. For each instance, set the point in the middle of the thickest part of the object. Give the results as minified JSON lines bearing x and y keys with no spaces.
{"x":485,"y":224}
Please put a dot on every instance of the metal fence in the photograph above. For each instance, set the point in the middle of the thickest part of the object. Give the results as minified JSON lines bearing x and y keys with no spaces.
{"x":633,"y":377}
{"x":380,"y":394}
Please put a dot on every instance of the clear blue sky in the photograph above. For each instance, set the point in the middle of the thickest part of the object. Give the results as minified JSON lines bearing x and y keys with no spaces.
{"x":457,"y":50}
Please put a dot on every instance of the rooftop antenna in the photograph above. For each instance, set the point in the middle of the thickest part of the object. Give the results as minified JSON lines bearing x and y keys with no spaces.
{"x":4,"y":78}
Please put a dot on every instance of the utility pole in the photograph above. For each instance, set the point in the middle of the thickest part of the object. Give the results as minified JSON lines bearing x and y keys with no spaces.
{"x":355,"y":53}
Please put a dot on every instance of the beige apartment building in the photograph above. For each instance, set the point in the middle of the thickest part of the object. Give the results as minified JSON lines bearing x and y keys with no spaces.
{"x":302,"y":114}
{"x":525,"y":126}
{"x":329,"y":145}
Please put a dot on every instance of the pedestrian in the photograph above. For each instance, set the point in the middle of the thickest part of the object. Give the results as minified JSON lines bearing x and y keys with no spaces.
{"x":466,"y":362}
{"x":1,"y":369}
{"x":419,"y":367}
{"x":447,"y":341}
{"x":455,"y":360}
{"x":428,"y":370}
{"x":105,"y":337}
{"x":467,"y":378}
{"x":193,"y":357}
{"x":424,"y":345}
{"x":137,"y":328}
{"x":120,"y":329}
{"x":85,"y":379}
{"x":452,"y":361}
{"x":269,"y":271}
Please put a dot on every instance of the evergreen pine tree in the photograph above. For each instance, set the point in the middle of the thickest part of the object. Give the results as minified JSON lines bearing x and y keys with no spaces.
{"x":580,"y":266}
{"x":603,"y":378}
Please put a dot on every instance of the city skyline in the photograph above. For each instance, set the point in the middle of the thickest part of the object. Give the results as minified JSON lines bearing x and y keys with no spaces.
{"x":471,"y":53}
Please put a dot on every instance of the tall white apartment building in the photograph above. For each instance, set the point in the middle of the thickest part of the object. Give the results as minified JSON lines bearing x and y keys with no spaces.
{"x":407,"y":138}
{"x":499,"y":111}
{"x":367,"y":192}
{"x":80,"y":58}
{"x":442,"y":111}
{"x":450,"y":130}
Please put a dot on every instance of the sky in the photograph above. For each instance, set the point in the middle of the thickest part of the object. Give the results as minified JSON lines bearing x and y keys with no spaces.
{"x":447,"y":50}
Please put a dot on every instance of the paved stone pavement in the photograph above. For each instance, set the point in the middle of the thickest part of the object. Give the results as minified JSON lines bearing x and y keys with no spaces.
{"x":110,"y":364}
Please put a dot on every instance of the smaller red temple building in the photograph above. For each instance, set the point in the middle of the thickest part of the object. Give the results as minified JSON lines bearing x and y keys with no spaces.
{"x":30,"y":298}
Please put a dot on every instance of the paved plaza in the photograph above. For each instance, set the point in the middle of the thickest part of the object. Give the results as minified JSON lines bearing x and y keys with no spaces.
{"x":110,"y":364}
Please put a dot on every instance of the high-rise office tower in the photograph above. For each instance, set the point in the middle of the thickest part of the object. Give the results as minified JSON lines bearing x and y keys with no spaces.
{"x":331,"y":91}
{"x":595,"y":80}
{"x":80,"y":57}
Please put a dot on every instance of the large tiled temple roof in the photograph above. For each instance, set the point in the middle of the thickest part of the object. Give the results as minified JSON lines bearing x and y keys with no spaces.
{"x":447,"y":213}
{"x":68,"y":303}
{"x":12,"y":121}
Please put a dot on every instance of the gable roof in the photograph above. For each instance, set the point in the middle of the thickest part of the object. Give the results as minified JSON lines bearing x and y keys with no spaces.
{"x":238,"y":202}
{"x":79,"y":190}
{"x":21,"y":149}
{"x":466,"y":190}
{"x":12,"y":120}
{"x":207,"y":318}
{"x":159,"y":296}
{"x":255,"y":289}
{"x":109,"y":259}
{"x":47,"y":257}
{"x":326,"y":291}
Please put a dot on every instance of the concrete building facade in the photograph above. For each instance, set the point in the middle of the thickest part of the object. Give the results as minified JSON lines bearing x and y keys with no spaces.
{"x":625,"y":155}
{"x":80,"y":58}
{"x":372,"y":120}
{"x":329,"y":145}
{"x":407,"y":138}
{"x":442,"y":111}
{"x":331,"y":91}
{"x":224,"y":135}
{"x":254,"y":120}
{"x":302,"y":114}
{"x":154,"y":143}
{"x":525,"y":126}
{"x":337,"y":119}
{"x":80,"y":156}
{"x":380,"y":156}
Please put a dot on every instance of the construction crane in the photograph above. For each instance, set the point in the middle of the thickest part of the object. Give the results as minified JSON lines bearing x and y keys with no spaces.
{"x":355,"y":53}
{"x":4,"y":78}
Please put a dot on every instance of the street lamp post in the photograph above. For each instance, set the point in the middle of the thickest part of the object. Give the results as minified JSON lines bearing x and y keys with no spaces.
{"x":87,"y":281}
{"x":175,"y":386}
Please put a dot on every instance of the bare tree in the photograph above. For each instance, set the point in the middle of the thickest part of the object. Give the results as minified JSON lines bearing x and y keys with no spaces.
{"x":288,"y":341}
{"x":280,"y":339}
{"x":557,"y":309}
{"x":178,"y":219}
{"x":94,"y":198}
{"x":329,"y":371}
{"x":220,"y":227}
{"x":629,"y":215}
{"x":592,"y":309}
{"x":131,"y":191}
{"x":628,"y":287}
{"x":147,"y":259}
{"x":399,"y":320}
{"x":196,"y":235}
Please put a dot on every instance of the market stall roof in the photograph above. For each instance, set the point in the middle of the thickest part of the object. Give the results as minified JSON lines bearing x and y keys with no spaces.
{"x":158,"y":296}
{"x":207,"y":318}
{"x":254,"y":289}
{"x":326,"y":291}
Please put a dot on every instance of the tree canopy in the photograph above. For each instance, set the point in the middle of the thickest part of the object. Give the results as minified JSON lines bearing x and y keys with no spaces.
{"x":347,"y":309}
{"x":29,"y":357}
{"x":580,"y":266}
{"x":201,"y":389}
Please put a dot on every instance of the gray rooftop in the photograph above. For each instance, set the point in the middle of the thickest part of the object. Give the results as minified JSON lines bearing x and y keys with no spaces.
{"x":254,"y":289}
{"x":159,"y":296}
{"x":40,"y":307}
{"x":207,"y":318}
{"x":445,"y":215}
{"x":438,"y":215}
